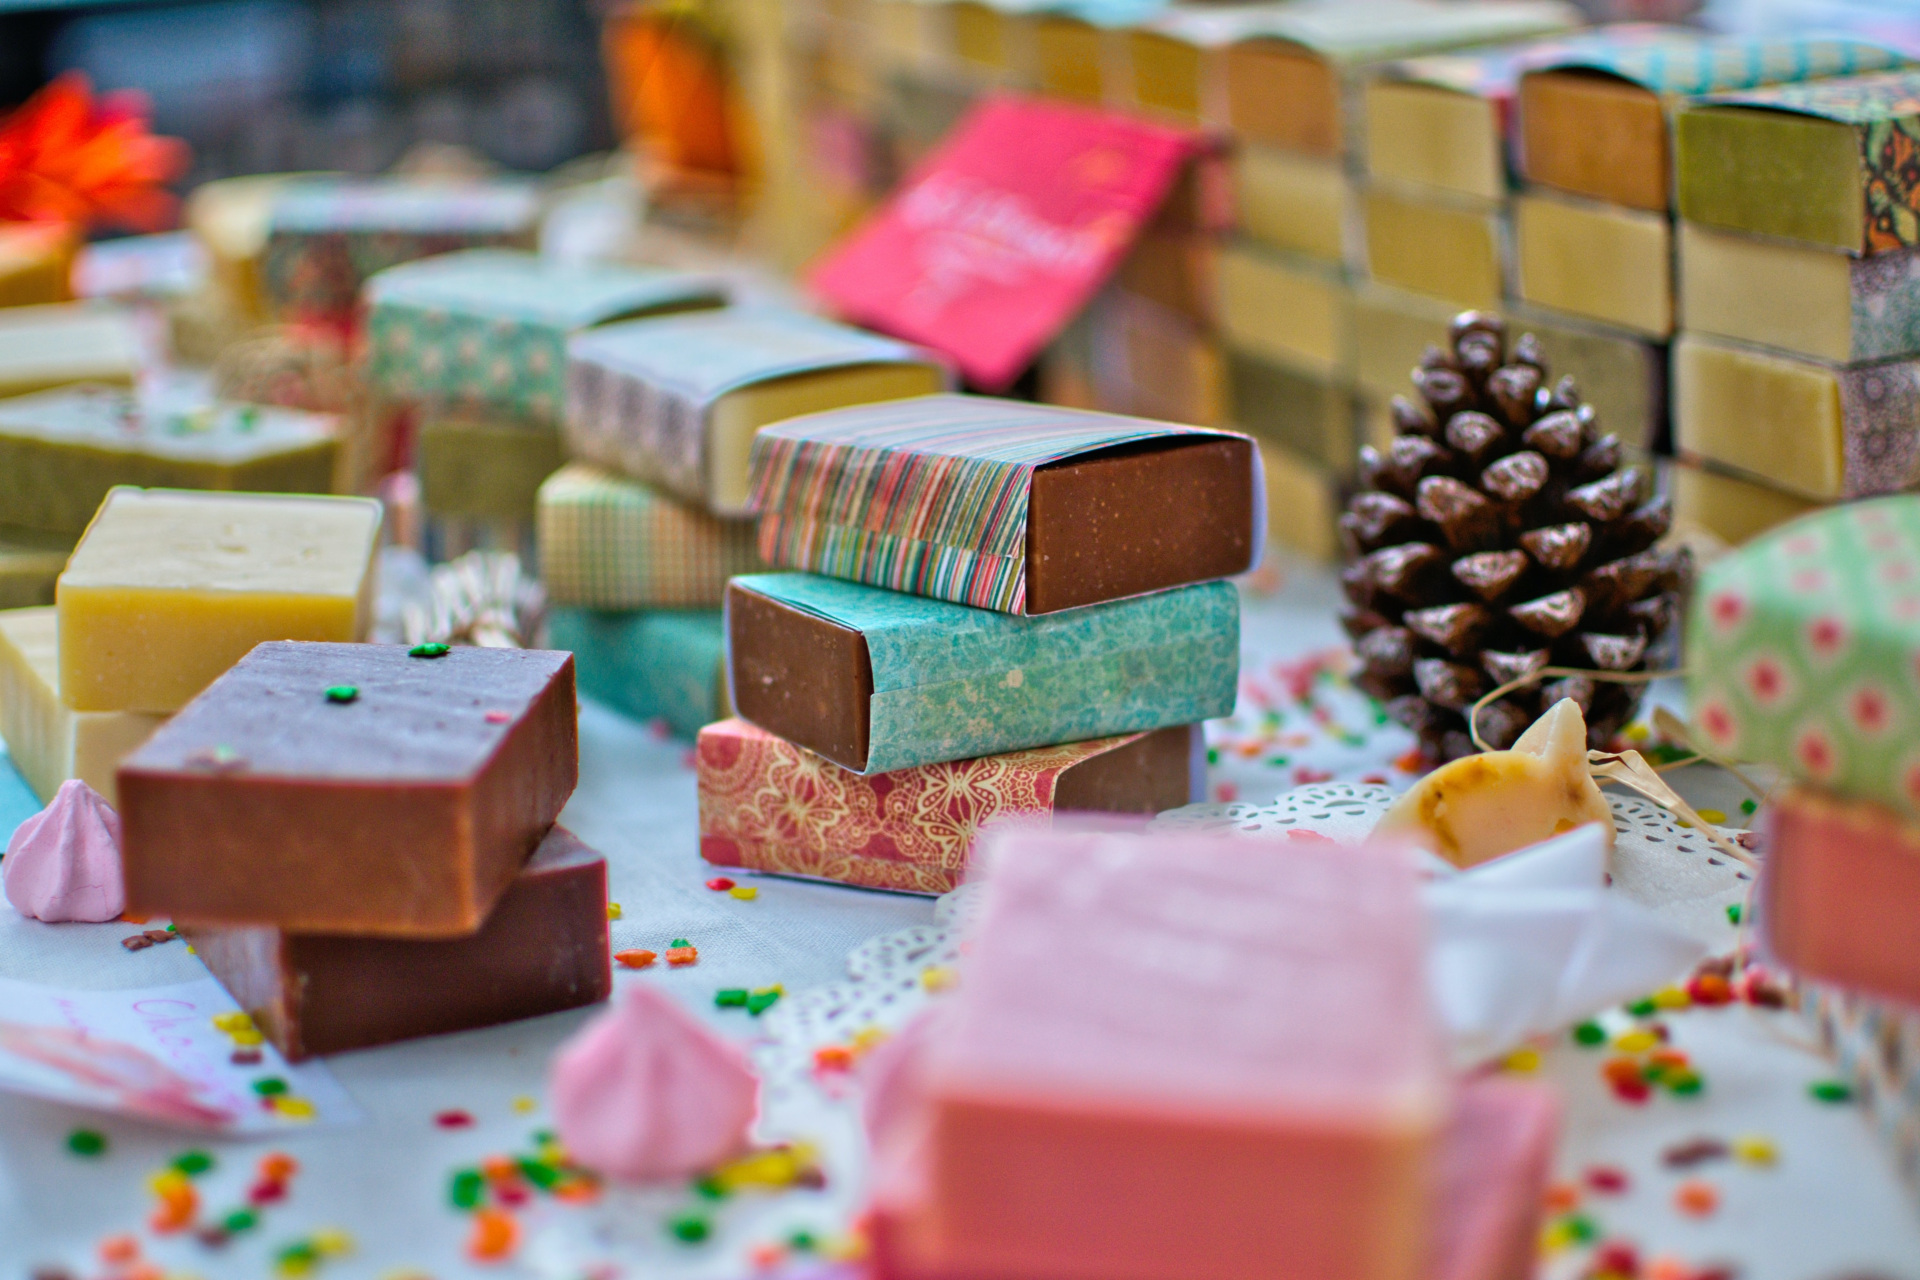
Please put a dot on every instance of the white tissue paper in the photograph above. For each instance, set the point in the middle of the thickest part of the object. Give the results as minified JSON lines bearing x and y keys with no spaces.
{"x":1535,"y":941}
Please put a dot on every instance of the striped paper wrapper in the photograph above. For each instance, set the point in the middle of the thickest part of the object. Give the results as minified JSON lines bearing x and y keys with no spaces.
{"x":607,"y":542}
{"x":926,"y":496}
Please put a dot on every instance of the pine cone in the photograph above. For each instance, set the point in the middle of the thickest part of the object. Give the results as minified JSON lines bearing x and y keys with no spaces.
{"x":1497,"y":535}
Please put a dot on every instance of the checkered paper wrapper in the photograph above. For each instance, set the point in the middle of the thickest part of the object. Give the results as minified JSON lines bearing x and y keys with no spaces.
{"x":1804,"y":651}
{"x":768,"y":805}
{"x":487,"y":329}
{"x":607,"y":542}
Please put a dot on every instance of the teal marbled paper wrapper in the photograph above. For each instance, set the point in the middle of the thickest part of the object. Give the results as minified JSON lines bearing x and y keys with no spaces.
{"x":666,"y":664}
{"x":488,"y":328}
{"x":1803,"y":647}
{"x":952,"y":682}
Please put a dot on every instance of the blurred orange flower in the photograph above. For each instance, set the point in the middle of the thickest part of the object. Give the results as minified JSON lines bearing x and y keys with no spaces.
{"x":67,"y":156}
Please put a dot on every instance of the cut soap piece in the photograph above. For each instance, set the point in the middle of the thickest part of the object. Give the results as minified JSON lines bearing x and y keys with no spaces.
{"x":1091,"y":1110}
{"x":486,"y":469}
{"x":543,"y":948}
{"x":169,"y":588}
{"x":913,"y":829}
{"x":30,"y":564}
{"x":1479,"y":807}
{"x":1019,"y":508}
{"x":1593,"y":260}
{"x":1290,"y":310}
{"x":52,"y":346}
{"x":1293,"y":202}
{"x":61,"y":451}
{"x":352,"y":788}
{"x":1444,"y":248}
{"x":48,"y":742}
{"x":1732,"y":508}
{"x":877,"y":680}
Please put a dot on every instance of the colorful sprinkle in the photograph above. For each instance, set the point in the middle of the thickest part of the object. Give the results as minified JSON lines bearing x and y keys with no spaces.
{"x":1712,"y":815}
{"x":87,"y":1142}
{"x":268,"y":1086}
{"x":1755,"y":1149}
{"x":680,"y":954}
{"x":1524,"y":1060}
{"x":720,"y":884}
{"x":524,"y":1103}
{"x":1733,"y":913}
{"x":1831,"y":1091}
{"x":638,"y":959}
{"x":937,"y":978}
{"x":1640,"y":1041}
{"x":342,"y":693}
{"x":454,"y":1119}
{"x":730,"y":998}
{"x":764,"y":999}
{"x":690,"y":1228}
{"x":1608,"y":1179}
{"x":1696,"y":1199}
{"x":744,"y":892}
{"x":497,"y":717}
{"x":613,"y":911}
{"x":1684,"y":1155}
{"x":1590,"y":1035}
{"x":432,"y":649}
{"x":193,"y":1163}
{"x":463,"y":1191}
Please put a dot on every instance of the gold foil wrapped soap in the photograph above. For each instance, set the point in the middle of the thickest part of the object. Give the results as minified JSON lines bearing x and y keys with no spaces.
{"x":1480,"y":807}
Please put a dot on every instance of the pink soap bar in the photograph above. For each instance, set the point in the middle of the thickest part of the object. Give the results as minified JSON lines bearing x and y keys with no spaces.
{"x":1841,"y":892}
{"x":1487,"y":1182}
{"x":1182,"y":1056}
{"x":1491,"y":1181}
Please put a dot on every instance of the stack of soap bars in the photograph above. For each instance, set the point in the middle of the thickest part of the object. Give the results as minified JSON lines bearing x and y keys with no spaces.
{"x":1804,"y":649}
{"x":359,"y":840}
{"x":639,"y":534}
{"x":1002,"y":610}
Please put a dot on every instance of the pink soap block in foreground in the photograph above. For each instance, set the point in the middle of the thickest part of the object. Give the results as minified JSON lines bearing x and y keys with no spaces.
{"x":1172,"y":1057}
{"x":1841,"y":892}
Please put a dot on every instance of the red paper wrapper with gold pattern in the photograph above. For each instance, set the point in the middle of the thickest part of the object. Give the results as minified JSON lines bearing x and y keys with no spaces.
{"x":768,"y":805}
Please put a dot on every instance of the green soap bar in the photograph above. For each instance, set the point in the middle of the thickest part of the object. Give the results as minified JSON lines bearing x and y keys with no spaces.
{"x":62,"y":450}
{"x":30,"y":564}
{"x":488,"y":327}
{"x":484,"y":469}
{"x":663,"y":664}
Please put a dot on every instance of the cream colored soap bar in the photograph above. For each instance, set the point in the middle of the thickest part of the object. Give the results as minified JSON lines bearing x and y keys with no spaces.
{"x":49,"y":742}
{"x":1291,"y":310}
{"x":51,"y":346}
{"x":1294,"y":202}
{"x":1596,"y":260}
{"x":1445,"y":248}
{"x":169,"y":588}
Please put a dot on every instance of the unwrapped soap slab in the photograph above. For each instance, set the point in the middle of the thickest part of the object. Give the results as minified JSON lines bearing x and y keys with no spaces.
{"x":1176,"y":1055}
{"x":1840,"y":892}
{"x":1003,"y":505}
{"x":676,"y":400}
{"x":169,"y":588}
{"x":607,"y":542}
{"x":61,"y":451}
{"x":877,"y":680}
{"x":48,"y":741}
{"x":658,"y":664}
{"x":542,"y":949}
{"x":768,"y":805}
{"x":1802,"y":649}
{"x":351,"y":788}
{"x":52,"y":346}
{"x":487,"y":329}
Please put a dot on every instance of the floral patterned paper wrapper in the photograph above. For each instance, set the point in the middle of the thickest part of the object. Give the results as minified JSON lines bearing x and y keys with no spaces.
{"x":1804,"y":651}
{"x":487,"y":328}
{"x":768,"y":805}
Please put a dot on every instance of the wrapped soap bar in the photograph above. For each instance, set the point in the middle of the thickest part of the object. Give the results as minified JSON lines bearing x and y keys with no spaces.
{"x":170,"y":588}
{"x":48,"y":741}
{"x":665,"y":664}
{"x":1175,"y":1057}
{"x":543,"y":948}
{"x":36,"y":263}
{"x":351,"y":788}
{"x":1020,"y":508}
{"x":1840,"y":892}
{"x":913,"y":829}
{"x":1821,"y":431}
{"x":877,"y":680}
{"x":62,"y":450}
{"x":326,"y":236}
{"x":676,"y":400}
{"x":1801,"y":651}
{"x":52,"y":346}
{"x":487,"y":329}
{"x":607,"y":542}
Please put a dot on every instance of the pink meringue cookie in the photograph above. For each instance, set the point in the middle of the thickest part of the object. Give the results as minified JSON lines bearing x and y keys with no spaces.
{"x":64,"y":862}
{"x":645,"y":1091}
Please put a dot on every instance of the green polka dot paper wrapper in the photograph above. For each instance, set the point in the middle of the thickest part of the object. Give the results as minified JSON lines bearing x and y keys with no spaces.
{"x":487,"y":329}
{"x":1804,"y":651}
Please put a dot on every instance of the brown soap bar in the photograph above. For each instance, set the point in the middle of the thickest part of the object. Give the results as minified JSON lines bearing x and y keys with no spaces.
{"x":1138,"y":518}
{"x":351,"y":788}
{"x":543,"y":949}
